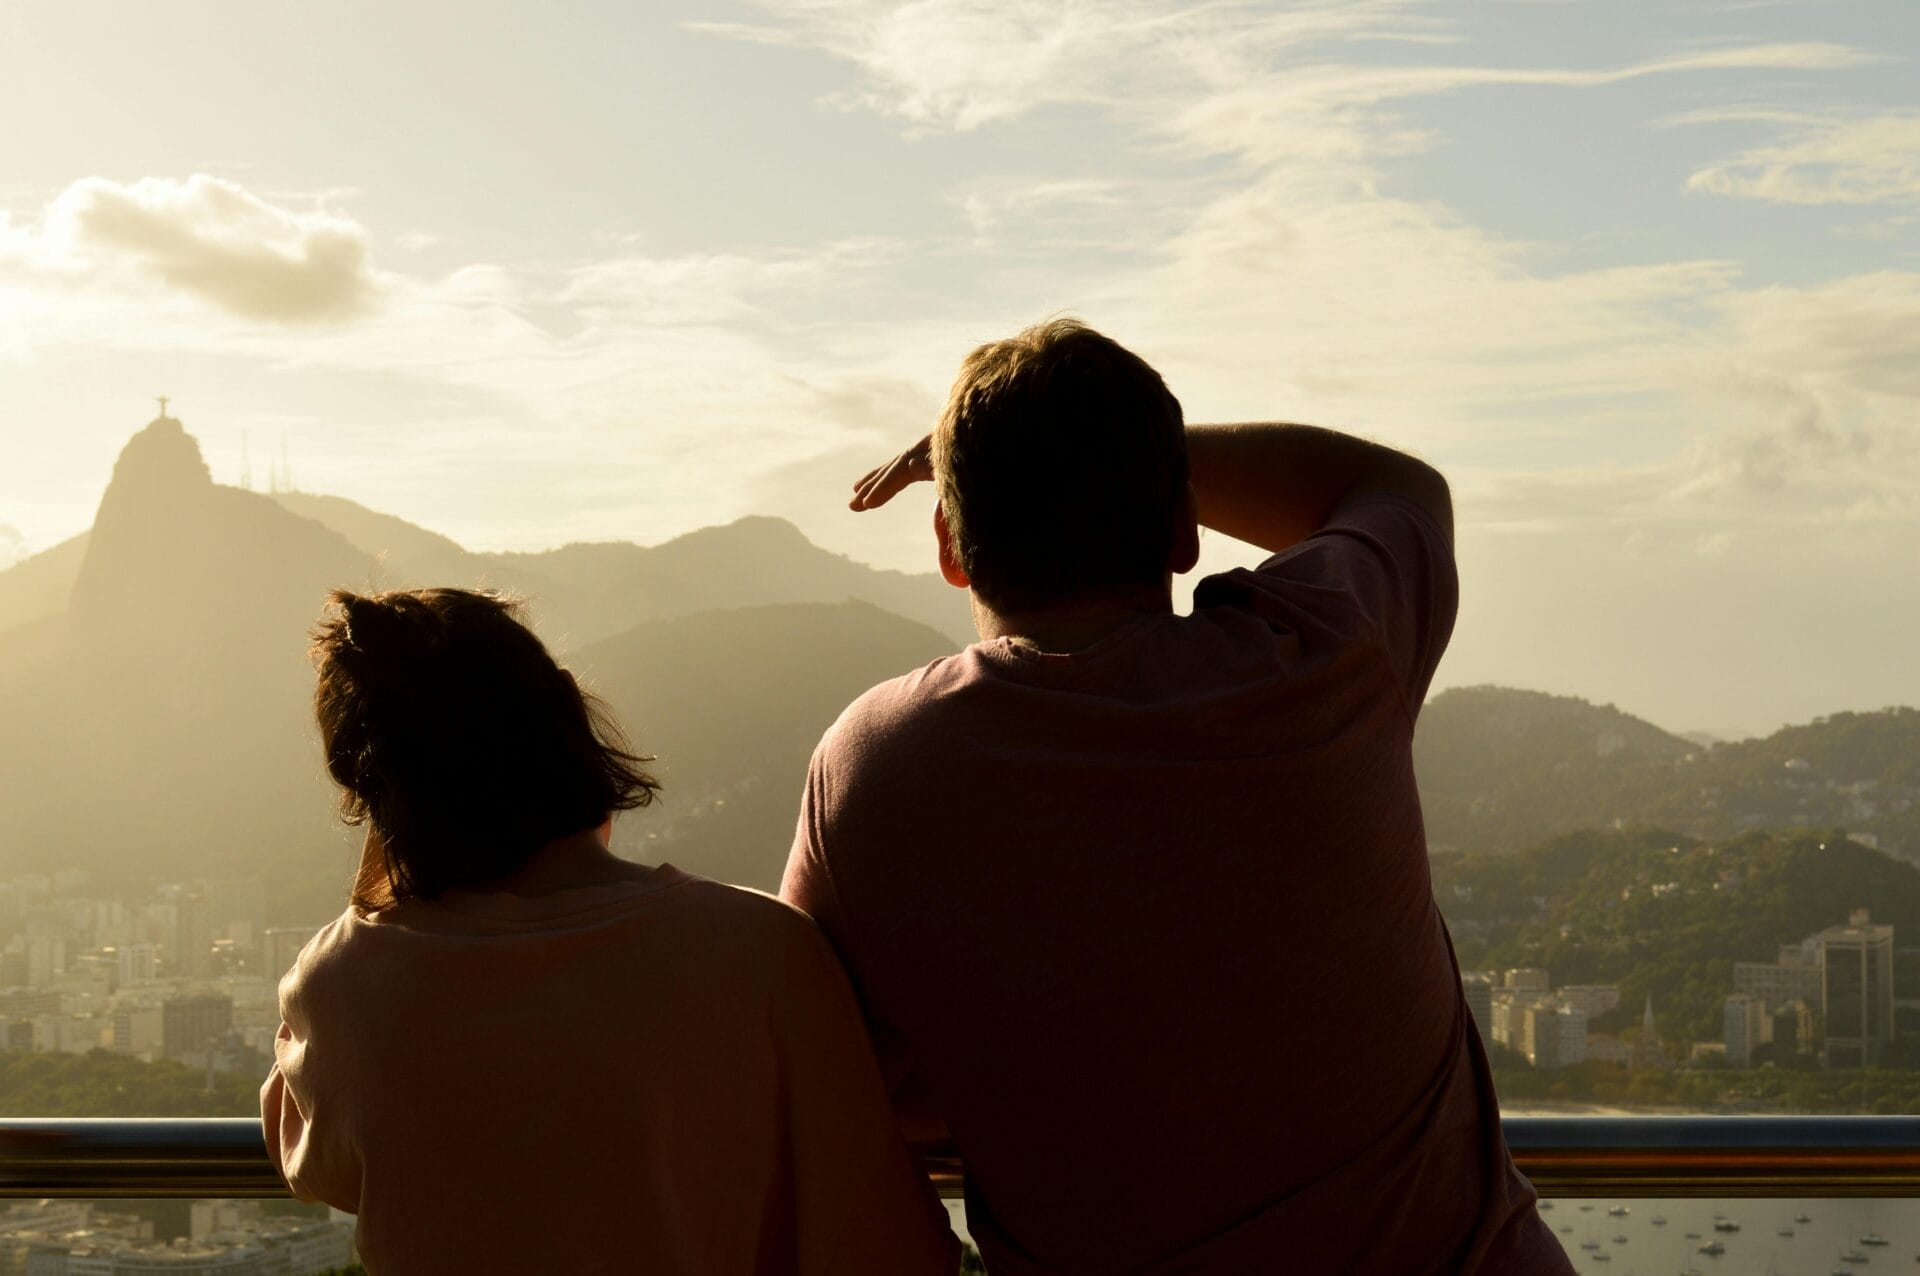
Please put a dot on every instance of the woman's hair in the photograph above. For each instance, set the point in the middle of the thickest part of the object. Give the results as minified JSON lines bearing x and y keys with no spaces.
{"x":452,"y":730}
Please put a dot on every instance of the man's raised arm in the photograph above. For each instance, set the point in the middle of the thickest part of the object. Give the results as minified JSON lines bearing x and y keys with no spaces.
{"x":1274,"y":484}
{"x":1269,"y":483}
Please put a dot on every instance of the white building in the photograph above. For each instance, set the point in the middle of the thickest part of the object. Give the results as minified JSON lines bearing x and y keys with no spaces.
{"x":139,"y":1027}
{"x":1590,"y":999}
{"x":1527,"y":979}
{"x":137,"y":964}
{"x":1747,"y":1027}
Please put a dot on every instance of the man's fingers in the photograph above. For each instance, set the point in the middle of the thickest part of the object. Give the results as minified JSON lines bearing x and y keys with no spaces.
{"x":876,"y":487}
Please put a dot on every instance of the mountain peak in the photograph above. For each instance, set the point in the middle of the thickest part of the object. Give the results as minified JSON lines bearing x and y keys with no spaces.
{"x":161,"y":456}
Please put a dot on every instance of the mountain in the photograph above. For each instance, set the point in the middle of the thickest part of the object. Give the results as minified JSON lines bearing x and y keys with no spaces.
{"x":733,"y":702}
{"x":579,"y":593}
{"x":1501,"y":769}
{"x":584,"y":592}
{"x":38,"y":588}
{"x":162,"y":718}
{"x":155,"y":695}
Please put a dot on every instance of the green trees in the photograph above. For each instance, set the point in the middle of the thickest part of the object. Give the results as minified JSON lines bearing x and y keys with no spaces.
{"x":102,"y":1084}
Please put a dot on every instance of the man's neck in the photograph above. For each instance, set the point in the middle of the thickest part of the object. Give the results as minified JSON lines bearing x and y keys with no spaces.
{"x":1074,"y":626}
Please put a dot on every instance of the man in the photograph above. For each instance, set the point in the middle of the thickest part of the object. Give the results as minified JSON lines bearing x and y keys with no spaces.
{"x":1138,"y":904}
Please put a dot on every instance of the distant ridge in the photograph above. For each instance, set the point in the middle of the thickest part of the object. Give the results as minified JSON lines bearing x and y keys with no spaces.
{"x":580,"y":592}
{"x":1500,"y":768}
{"x":734,"y":701}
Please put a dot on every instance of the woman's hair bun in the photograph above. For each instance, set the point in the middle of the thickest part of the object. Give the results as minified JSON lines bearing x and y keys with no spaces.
{"x":374,"y":633}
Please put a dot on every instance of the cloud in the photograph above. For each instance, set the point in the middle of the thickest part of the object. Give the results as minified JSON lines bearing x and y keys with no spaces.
{"x":965,"y":64}
{"x":1875,"y":160}
{"x":961,"y":64}
{"x":13,"y":544}
{"x":209,"y":239}
{"x":1803,"y":406}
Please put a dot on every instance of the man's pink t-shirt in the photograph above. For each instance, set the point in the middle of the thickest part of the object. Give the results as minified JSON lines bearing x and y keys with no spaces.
{"x":1150,"y":926}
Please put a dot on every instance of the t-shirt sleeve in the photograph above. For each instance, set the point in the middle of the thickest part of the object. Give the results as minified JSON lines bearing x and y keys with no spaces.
{"x":808,"y":885}
{"x":860,"y":1202}
{"x":1381,"y":571}
{"x":304,"y":1136}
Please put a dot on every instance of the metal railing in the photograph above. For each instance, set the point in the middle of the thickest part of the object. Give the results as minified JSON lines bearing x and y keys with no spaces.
{"x":1635,"y":1156}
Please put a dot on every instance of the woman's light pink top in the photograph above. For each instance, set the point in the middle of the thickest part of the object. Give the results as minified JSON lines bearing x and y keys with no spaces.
{"x":665,"y":1076}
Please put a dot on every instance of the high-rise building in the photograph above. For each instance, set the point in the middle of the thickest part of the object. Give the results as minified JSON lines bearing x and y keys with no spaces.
{"x":23,"y":1003}
{"x":1527,"y":979}
{"x":192,"y":1023}
{"x":192,"y":936}
{"x":1552,"y":1035}
{"x":1479,"y":995}
{"x":139,"y":1028}
{"x":1778,"y":983}
{"x":46,"y":959}
{"x":237,"y":909}
{"x":1589,"y":999}
{"x":1570,"y":1036}
{"x":1792,"y":1029}
{"x":1857,"y":961}
{"x":1747,"y":1027}
{"x":283,"y":944}
{"x":135,"y":964}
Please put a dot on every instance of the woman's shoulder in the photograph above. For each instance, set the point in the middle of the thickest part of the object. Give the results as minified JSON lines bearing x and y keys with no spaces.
{"x":754,"y":912}
{"x":319,"y":963}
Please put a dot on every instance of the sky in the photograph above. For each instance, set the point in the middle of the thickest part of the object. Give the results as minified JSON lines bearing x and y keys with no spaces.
{"x":1642,"y":278}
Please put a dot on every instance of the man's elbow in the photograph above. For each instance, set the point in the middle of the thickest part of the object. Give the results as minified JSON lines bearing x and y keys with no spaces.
{"x":1433,"y":494}
{"x":1409,"y":477}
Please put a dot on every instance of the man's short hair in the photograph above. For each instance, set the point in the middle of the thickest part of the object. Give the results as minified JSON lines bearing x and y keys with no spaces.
{"x":1061,"y":460}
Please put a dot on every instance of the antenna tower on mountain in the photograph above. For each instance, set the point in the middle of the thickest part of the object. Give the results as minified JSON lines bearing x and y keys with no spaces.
{"x":163,"y":407}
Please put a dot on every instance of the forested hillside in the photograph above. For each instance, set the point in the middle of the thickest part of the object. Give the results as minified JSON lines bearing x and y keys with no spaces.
{"x":1501,"y":769}
{"x":1664,"y":913}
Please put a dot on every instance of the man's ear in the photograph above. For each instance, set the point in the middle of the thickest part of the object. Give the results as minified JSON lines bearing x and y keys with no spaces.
{"x":950,"y":567}
{"x":1185,"y":553}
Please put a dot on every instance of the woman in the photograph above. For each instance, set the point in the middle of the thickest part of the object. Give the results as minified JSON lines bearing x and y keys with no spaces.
{"x":517,"y":1052}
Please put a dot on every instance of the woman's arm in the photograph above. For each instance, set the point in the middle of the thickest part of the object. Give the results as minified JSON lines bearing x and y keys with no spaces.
{"x":305,"y":1138}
